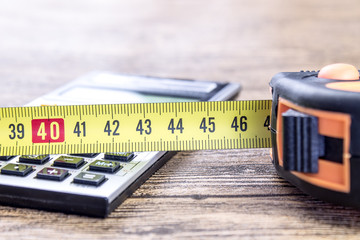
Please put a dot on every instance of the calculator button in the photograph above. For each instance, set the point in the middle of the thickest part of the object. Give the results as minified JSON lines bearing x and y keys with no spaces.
{"x":104,"y":166}
{"x":52,"y":174}
{"x":87,"y":155}
{"x":69,"y":162}
{"x":16,"y":169}
{"x":120,"y":156}
{"x":89,"y":178}
{"x":34,"y":159}
{"x":6,"y":158}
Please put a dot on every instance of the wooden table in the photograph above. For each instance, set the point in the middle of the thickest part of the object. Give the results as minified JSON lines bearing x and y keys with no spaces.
{"x":205,"y":194}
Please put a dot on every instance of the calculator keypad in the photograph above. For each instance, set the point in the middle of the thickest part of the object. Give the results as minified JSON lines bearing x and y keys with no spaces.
{"x":59,"y":168}
{"x":6,"y":158}
{"x":92,"y":180}
{"x":34,"y":159}
{"x":52,"y":174}
{"x":69,"y":162}
{"x":104,"y":166}
{"x":89,"y":178}
{"x":88,"y":155}
{"x":119,"y":156}
{"x":16,"y":169}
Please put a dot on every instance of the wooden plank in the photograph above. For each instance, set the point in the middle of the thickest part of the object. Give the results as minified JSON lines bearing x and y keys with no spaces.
{"x":205,"y":194}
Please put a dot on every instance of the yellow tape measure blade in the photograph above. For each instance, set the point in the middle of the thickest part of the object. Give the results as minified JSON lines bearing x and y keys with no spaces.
{"x":135,"y":127}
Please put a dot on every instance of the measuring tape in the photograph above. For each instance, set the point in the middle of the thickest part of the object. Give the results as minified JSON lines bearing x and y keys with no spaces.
{"x":135,"y":127}
{"x":315,"y":129}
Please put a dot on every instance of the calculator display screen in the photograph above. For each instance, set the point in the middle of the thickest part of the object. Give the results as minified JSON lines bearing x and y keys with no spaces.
{"x":100,"y":95}
{"x":107,"y":88}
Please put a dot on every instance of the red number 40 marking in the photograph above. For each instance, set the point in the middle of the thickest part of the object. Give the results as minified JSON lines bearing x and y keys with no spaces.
{"x":48,"y":130}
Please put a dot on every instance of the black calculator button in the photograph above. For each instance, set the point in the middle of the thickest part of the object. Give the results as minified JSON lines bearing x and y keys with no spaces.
{"x":119,"y":156}
{"x":89,"y":178}
{"x":34,"y":159}
{"x":16,"y":169}
{"x":6,"y":158}
{"x":52,"y":174}
{"x":104,"y":166}
{"x":87,"y":155}
{"x":68,"y":162}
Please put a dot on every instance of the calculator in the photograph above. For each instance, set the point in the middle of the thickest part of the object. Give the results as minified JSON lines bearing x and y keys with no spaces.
{"x":95,"y":184}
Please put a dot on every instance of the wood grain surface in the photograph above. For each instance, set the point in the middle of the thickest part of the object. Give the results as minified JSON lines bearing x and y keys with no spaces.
{"x":234,"y":194}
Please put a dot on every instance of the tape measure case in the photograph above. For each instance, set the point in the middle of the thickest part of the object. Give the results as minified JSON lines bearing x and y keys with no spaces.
{"x":316,"y":135}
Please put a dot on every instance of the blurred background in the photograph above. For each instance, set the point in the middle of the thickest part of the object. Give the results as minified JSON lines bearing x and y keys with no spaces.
{"x":44,"y":44}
